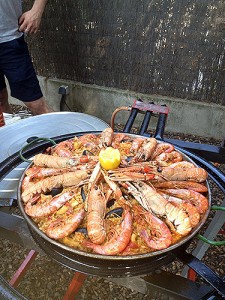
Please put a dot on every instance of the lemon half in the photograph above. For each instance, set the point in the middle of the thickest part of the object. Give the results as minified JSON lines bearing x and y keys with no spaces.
{"x":109,"y":158}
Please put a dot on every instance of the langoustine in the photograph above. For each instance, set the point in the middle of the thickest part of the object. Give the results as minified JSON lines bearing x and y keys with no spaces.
{"x":152,"y":201}
{"x":179,"y":174}
{"x":52,"y":161}
{"x":190,"y":185}
{"x":47,"y":184}
{"x":197,"y":199}
{"x":149,"y":171}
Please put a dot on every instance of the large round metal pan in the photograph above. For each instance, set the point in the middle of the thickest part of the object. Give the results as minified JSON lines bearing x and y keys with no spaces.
{"x":104,"y":265}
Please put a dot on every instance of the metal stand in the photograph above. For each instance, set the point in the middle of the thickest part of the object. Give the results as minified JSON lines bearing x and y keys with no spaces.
{"x":170,"y":285}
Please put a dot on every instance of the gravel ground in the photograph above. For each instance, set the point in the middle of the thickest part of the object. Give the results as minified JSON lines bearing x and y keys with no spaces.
{"x":48,"y":280}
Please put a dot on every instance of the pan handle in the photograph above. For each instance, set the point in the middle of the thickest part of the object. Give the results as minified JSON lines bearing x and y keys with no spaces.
{"x":204,"y":271}
{"x":214,"y":243}
{"x":31,"y":142}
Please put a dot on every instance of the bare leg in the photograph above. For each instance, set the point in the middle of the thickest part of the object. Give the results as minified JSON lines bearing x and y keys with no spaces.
{"x":4,"y":101}
{"x":38,"y":107}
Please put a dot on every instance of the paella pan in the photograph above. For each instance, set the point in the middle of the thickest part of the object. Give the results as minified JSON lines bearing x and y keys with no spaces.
{"x":114,"y":195}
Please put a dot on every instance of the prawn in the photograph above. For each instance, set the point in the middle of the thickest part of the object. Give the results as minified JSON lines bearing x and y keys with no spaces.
{"x":166,"y":159}
{"x":117,"y":139}
{"x":187,"y":206}
{"x":162,"y":148}
{"x":48,"y":207}
{"x":39,"y":172}
{"x":136,"y":144}
{"x":63,"y":149}
{"x":95,"y":216}
{"x":63,"y":227}
{"x":52,"y":161}
{"x":182,"y":164}
{"x":89,"y":141}
{"x":146,"y":150}
{"x":160,"y":236}
{"x":106,"y":137}
{"x":157,"y":204}
{"x":119,"y":240}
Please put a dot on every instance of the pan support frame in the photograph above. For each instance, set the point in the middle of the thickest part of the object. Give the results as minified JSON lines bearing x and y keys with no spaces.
{"x":14,"y":228}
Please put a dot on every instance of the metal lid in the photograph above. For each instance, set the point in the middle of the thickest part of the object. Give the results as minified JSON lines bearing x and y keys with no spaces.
{"x":14,"y":136}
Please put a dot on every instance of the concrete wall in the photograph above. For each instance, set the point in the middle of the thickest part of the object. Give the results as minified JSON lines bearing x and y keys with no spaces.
{"x":195,"y":118}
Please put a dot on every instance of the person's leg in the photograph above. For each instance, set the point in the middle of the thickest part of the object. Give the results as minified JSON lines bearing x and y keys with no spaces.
{"x":18,"y":69}
{"x":4,"y":95}
{"x":38,"y":107}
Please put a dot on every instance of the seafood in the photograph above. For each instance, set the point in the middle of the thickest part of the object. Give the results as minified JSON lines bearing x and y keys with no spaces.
{"x":117,"y":139}
{"x":39,"y":172}
{"x":120,"y":239}
{"x":35,"y":172}
{"x":88,"y":141}
{"x":106,"y":137}
{"x":166,"y":159}
{"x":182,"y":165}
{"x":197,"y":199}
{"x":131,"y":176}
{"x":136,"y":144}
{"x":26,"y":183}
{"x":160,"y":236}
{"x":142,"y":167}
{"x":63,"y":149}
{"x":190,"y":185}
{"x":95,"y":215}
{"x":147,"y":203}
{"x":187,"y":206}
{"x":146,"y":150}
{"x":61,"y":228}
{"x":47,"y":184}
{"x":180,"y":174}
{"x":155,"y":203}
{"x":51,"y":161}
{"x":162,"y":148}
{"x":139,"y":171}
{"x":143,"y":171}
{"x":116,"y":190}
{"x":37,"y":209}
{"x":94,"y":176}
